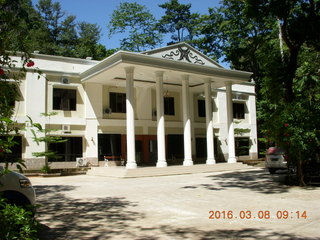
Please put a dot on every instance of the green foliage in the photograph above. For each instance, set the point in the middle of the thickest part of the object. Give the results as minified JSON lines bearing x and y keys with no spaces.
{"x":279,"y":42}
{"x":89,"y":35}
{"x":17,"y":223}
{"x":178,"y":21}
{"x":42,"y":135}
{"x":138,"y":23}
{"x":46,"y":169}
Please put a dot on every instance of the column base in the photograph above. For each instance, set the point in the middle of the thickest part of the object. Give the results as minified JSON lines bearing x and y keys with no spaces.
{"x":187,"y":162}
{"x":210,"y":161}
{"x":232,"y":160}
{"x":131,"y":165}
{"x":162,"y":164}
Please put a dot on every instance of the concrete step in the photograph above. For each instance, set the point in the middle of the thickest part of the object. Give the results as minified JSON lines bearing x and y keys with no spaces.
{"x":122,"y":172}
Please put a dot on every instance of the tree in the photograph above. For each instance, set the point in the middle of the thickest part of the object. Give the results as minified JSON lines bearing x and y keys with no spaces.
{"x":68,"y":37}
{"x":14,"y":22}
{"x":296,"y":113}
{"x":298,"y":24}
{"x":89,"y":35}
{"x":179,"y":21}
{"x":52,"y":16}
{"x":277,"y":41}
{"x":65,"y":36}
{"x":138,"y":23}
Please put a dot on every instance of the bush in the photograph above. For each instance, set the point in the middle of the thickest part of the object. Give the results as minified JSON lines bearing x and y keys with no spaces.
{"x":17,"y":223}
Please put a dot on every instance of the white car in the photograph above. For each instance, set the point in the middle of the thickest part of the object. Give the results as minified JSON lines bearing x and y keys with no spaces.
{"x":17,"y":189}
{"x":275,"y":160}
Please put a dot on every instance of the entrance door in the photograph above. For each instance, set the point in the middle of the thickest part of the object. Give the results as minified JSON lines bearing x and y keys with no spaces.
{"x":153,"y":152}
{"x":109,"y":145}
{"x":139,"y":152}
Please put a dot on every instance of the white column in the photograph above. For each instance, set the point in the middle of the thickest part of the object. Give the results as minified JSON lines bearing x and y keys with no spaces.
{"x":160,"y":121}
{"x":35,"y":104}
{"x":131,"y":151}
{"x":93,"y":111}
{"x":209,"y":122}
{"x":186,"y":122}
{"x":231,"y":142}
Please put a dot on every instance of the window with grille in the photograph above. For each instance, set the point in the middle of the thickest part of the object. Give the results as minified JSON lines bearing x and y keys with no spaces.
{"x":118,"y":102}
{"x":168,"y":106}
{"x":64,"y":99}
{"x":238,"y":110}
{"x":201,"y":108}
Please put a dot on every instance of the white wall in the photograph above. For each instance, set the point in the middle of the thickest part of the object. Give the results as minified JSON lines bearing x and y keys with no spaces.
{"x":92,"y":99}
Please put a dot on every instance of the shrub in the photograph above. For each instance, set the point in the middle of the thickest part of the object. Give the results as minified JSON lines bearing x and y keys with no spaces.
{"x":17,"y":223}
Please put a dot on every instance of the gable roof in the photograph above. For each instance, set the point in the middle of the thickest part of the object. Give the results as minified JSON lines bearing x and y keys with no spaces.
{"x":183,"y":52}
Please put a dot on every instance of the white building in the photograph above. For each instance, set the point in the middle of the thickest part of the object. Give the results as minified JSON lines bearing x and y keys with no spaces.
{"x":171,"y":105}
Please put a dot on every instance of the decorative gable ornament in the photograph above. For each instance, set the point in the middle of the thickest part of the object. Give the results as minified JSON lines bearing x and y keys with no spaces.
{"x":181,"y":54}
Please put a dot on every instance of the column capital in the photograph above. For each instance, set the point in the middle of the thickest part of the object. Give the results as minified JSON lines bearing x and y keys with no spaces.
{"x":229,"y":83}
{"x":159,"y":73}
{"x":185,"y":77}
{"x":207,"y":80}
{"x":129,"y":69}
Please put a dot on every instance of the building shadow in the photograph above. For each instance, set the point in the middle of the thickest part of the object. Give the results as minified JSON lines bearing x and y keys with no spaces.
{"x":63,"y":217}
{"x":245,"y":233}
{"x":255,"y":180}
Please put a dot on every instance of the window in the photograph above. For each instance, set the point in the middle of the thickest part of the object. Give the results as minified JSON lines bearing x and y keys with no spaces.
{"x":242,"y":146}
{"x":201,"y":108}
{"x":66,"y":151}
{"x":118,"y":102}
{"x":168,"y":106}
{"x":64,"y":99}
{"x":238,"y":110}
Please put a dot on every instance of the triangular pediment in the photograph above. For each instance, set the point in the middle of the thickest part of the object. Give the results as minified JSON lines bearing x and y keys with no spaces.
{"x":183,"y":52}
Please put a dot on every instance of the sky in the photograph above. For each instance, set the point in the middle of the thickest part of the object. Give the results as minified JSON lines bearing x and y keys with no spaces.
{"x":100,"y":11}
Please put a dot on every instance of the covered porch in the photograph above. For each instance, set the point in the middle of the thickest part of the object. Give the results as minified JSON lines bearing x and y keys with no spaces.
{"x":148,"y":70}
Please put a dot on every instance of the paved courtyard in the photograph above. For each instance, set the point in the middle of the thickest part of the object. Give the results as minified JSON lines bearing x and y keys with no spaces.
{"x":249,"y":204}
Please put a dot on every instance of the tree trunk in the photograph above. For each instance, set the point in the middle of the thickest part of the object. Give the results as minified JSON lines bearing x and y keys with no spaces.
{"x":300,"y":175}
{"x":290,"y":74}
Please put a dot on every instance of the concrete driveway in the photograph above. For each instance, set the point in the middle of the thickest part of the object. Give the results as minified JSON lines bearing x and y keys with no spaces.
{"x":248,"y":204}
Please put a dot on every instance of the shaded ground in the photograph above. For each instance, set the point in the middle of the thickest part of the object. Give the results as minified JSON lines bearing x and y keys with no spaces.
{"x":175,"y":207}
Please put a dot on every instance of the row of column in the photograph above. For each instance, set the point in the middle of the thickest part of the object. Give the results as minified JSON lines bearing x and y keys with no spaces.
{"x":131,"y":158}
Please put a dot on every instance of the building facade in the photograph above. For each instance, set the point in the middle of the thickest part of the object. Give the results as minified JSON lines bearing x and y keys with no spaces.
{"x":171,"y":105}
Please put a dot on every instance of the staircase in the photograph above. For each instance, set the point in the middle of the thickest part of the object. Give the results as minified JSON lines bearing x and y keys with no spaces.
{"x":122,"y":172}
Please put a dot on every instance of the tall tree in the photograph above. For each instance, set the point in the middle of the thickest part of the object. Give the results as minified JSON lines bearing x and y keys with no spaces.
{"x":278,"y":41}
{"x":179,"y":21}
{"x":14,"y":21}
{"x":68,"y":37}
{"x":138,"y":23}
{"x":298,"y":21}
{"x":89,"y":35}
{"x":52,"y":16}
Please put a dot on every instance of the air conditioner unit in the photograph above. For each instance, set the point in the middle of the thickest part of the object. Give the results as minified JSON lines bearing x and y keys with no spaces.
{"x":65,"y":80}
{"x":108,"y":111}
{"x":81,"y":162}
{"x":66,"y":128}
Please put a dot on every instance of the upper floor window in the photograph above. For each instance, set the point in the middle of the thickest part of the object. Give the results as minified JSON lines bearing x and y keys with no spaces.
{"x":168,"y":106}
{"x":201,"y":108}
{"x":118,"y":102}
{"x":238,"y":110}
{"x":64,"y":99}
